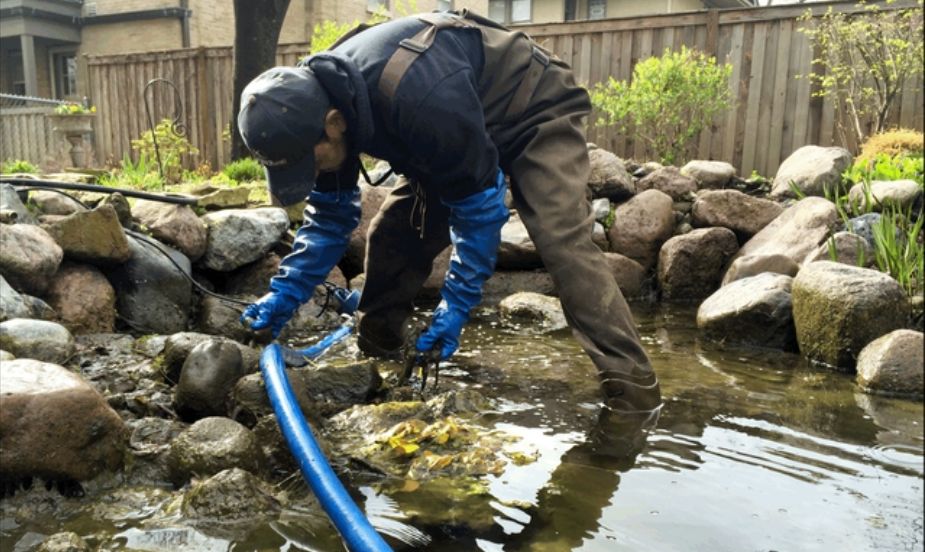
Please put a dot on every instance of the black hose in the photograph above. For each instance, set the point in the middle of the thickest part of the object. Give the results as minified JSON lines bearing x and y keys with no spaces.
{"x":165,"y":198}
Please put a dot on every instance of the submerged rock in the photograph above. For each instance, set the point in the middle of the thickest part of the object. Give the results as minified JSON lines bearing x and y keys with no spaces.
{"x":212,"y":445}
{"x":893,"y":364}
{"x":36,"y":339}
{"x":535,"y":311}
{"x":231,"y":495}
{"x":54,"y":425}
{"x":63,"y":542}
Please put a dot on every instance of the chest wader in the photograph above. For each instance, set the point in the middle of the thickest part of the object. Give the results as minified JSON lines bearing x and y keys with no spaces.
{"x":534,"y":112}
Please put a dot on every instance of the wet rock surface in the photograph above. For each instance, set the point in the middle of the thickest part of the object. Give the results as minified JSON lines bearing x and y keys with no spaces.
{"x":211,"y":445}
{"x":892,"y":364}
{"x":37,"y":339}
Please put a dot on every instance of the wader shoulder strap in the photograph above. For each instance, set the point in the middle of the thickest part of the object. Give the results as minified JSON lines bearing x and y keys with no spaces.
{"x":410,"y":48}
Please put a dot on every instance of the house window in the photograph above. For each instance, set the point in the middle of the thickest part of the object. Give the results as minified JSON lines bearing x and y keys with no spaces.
{"x":571,"y":10}
{"x":377,"y":5}
{"x":597,"y":9}
{"x":510,"y":11}
{"x":64,"y":73}
{"x":444,"y":5}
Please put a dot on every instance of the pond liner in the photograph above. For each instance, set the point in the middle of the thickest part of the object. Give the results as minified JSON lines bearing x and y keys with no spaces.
{"x":57,"y":185}
{"x":356,"y":531}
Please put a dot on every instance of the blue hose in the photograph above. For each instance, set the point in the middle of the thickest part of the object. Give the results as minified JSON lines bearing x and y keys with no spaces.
{"x":351,"y":523}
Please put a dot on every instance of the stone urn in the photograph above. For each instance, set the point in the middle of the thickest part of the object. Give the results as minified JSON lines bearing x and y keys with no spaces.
{"x":74,"y":127}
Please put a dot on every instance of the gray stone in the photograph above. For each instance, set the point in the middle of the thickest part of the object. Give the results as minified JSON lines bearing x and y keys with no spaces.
{"x":753,"y":265}
{"x":232,"y":495}
{"x":83,"y":298}
{"x":29,"y":257}
{"x":208,"y":375}
{"x":175,"y":225}
{"x":152,"y":294}
{"x":532,"y":311}
{"x":608,"y":177}
{"x":601,"y":209}
{"x":95,"y":237}
{"x":709,"y":174}
{"x":641,"y":226}
{"x":898,"y":194}
{"x":863,"y":225}
{"x":516,"y":250}
{"x":811,"y":169}
{"x":50,"y":202}
{"x":241,"y":236}
{"x":599,"y":236}
{"x":12,"y":303}
{"x":752,"y":311}
{"x":690,"y":266}
{"x":893,"y":364}
{"x":211,"y":445}
{"x":505,"y":282}
{"x":217,"y":317}
{"x":796,"y":232}
{"x":178,"y":346}
{"x":848,"y":248}
{"x":839,"y":309}
{"x":631,"y":276}
{"x":55,"y":425}
{"x":10,"y":201}
{"x":670,"y":181}
{"x":36,"y":339}
{"x":254,"y":278}
{"x":743,"y":214}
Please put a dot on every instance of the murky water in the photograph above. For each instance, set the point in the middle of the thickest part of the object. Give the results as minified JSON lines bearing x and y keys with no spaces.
{"x":753,"y":450}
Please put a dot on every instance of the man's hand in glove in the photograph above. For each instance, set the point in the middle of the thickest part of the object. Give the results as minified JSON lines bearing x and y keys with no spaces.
{"x":443,"y":332}
{"x":271,"y":311}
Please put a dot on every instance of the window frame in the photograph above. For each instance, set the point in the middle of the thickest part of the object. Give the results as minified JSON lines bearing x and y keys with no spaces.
{"x":55,"y":53}
{"x":509,"y":10}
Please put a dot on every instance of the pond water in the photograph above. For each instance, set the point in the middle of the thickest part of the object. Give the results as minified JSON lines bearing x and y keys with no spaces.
{"x":752,"y":450}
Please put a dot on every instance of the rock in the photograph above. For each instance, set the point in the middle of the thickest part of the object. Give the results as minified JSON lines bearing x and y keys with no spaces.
{"x":690,"y":267}
{"x":752,"y":311}
{"x":516,"y":250}
{"x":753,"y":265}
{"x":812,"y":170}
{"x":537,"y":312}
{"x":36,"y":339}
{"x":179,"y":346}
{"x":863,"y":225}
{"x":152,"y":294}
{"x":29,"y":257}
{"x":670,"y":181}
{"x":212,"y":445}
{"x":641,"y":226}
{"x":839,"y":309}
{"x":796,"y":232}
{"x":11,"y":202}
{"x":54,"y":425}
{"x":95,"y":237}
{"x":12,"y":303}
{"x":371,"y":200}
{"x":892,"y":364}
{"x":608,"y":177}
{"x":241,"y":236}
{"x":175,"y":225}
{"x":123,"y":210}
{"x":601,"y":209}
{"x":900,"y":194}
{"x":50,"y":202}
{"x":208,"y":375}
{"x":599,"y":237}
{"x":630,"y":275}
{"x":231,"y":495}
{"x":709,"y":174}
{"x":505,"y":282}
{"x":224,"y":198}
{"x":63,"y":542}
{"x":849,"y":249}
{"x":83,"y":298}
{"x":253,"y":278}
{"x":149,"y":445}
{"x":6,"y":355}
{"x":218,"y":317}
{"x":743,"y":214}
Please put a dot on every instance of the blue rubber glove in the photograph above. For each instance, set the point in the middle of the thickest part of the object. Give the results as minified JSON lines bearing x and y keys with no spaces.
{"x":475,"y":231}
{"x":329,"y":219}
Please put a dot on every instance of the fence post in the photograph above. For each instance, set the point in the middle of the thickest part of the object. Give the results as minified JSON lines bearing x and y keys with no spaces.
{"x":712,"y":33}
{"x":203,"y":115}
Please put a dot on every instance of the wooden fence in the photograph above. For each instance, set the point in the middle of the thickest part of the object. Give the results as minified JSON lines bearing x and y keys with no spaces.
{"x":26,"y":134}
{"x":773,"y":113}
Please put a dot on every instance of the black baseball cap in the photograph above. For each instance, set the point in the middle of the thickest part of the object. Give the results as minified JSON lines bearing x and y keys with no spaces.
{"x":281,"y":119}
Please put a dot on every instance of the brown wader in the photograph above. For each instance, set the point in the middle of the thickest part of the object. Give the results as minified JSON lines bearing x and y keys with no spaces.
{"x":534,"y":112}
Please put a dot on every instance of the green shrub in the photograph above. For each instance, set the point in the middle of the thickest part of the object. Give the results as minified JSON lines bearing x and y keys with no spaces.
{"x":887,"y":167}
{"x":142,"y":175}
{"x":18,"y":166}
{"x":899,"y":250}
{"x":171,"y":146}
{"x":244,"y":170}
{"x":669,"y":100}
{"x":893,"y":143}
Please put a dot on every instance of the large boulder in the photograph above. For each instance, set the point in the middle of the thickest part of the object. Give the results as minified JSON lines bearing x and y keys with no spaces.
{"x":641,"y":226}
{"x":838,"y":309}
{"x":608,"y":177}
{"x":795,"y":233}
{"x":670,"y":181}
{"x":690,"y":266}
{"x":532,"y":311}
{"x":83,"y":298}
{"x":152,"y":294}
{"x":36,"y":339}
{"x":752,"y":311}
{"x":899,"y":194}
{"x":95,"y":237}
{"x":743,"y":214}
{"x":893,"y":364}
{"x":29,"y":257}
{"x":812,"y":170}
{"x":516,"y":250}
{"x":212,"y":445}
{"x":54,"y":424}
{"x":208,"y":375}
{"x":241,"y":236}
{"x":175,"y":225}
{"x":709,"y":174}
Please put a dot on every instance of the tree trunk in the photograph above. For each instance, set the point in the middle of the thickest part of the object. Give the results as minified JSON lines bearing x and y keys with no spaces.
{"x":256,"y":33}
